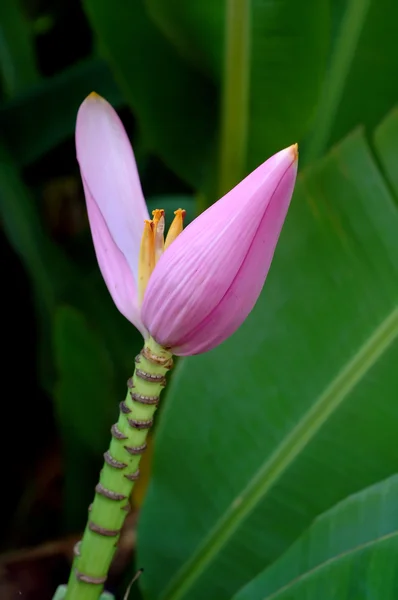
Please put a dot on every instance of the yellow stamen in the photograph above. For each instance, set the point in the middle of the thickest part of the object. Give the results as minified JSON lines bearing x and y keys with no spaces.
{"x":153,"y":245}
{"x":146,"y":262}
{"x":175,"y":228}
{"x":158,"y":231}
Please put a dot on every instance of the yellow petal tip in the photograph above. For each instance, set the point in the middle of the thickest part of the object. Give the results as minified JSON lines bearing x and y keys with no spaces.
{"x":94,"y":96}
{"x":295,"y":152}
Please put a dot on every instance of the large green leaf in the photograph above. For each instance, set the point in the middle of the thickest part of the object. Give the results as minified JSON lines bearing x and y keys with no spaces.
{"x":85,"y":405}
{"x":299,"y":408}
{"x":17,"y":54}
{"x":349,"y":552}
{"x":196,"y":29}
{"x":84,"y":393}
{"x":288,"y":43}
{"x":371,"y":88}
{"x":385,"y":140}
{"x":45,"y":264}
{"x":43,"y":116}
{"x":22,"y":227}
{"x":174,"y":104}
{"x":360,"y":86}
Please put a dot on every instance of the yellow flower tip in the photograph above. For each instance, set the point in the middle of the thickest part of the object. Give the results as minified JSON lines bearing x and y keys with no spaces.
{"x":94,"y":96}
{"x":295,"y":152}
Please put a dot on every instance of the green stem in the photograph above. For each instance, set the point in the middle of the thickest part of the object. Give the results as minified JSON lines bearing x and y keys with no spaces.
{"x":94,"y":554}
{"x":234,"y":118}
{"x":344,"y":51}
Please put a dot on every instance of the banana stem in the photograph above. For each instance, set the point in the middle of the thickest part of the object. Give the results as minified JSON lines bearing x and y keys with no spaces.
{"x":94,"y":554}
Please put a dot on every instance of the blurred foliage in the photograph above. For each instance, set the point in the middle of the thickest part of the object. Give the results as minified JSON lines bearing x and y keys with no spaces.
{"x":299,"y":410}
{"x":17,"y":55}
{"x":29,"y":123}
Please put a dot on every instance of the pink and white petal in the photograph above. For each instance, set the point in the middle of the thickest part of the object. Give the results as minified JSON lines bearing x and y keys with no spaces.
{"x":113,"y":265}
{"x":242,"y":295}
{"x":108,"y":166}
{"x":197,"y":270}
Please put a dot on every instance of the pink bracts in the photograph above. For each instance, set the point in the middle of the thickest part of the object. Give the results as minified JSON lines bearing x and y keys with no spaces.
{"x":200,"y":289}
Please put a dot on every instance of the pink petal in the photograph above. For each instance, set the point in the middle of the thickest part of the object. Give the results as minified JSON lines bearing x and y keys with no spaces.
{"x":242,"y":295}
{"x":208,"y":281}
{"x":113,"y":265}
{"x":108,"y":167}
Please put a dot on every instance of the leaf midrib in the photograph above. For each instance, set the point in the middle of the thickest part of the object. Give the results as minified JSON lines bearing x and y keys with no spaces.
{"x":330,"y":561}
{"x":350,"y":30}
{"x":235,"y":95}
{"x":366,"y":357}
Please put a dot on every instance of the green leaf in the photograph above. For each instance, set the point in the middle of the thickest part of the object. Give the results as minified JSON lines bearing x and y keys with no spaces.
{"x":350,"y":549}
{"x":23,"y":228}
{"x":386,"y":143}
{"x":17,"y":53}
{"x":288,"y":43}
{"x":360,"y":88}
{"x":354,"y":15}
{"x":45,"y":115}
{"x":85,"y":399}
{"x":174,"y":104}
{"x":298,"y":409}
{"x":48,"y":269}
{"x":85,"y":406}
{"x":195,"y":29}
